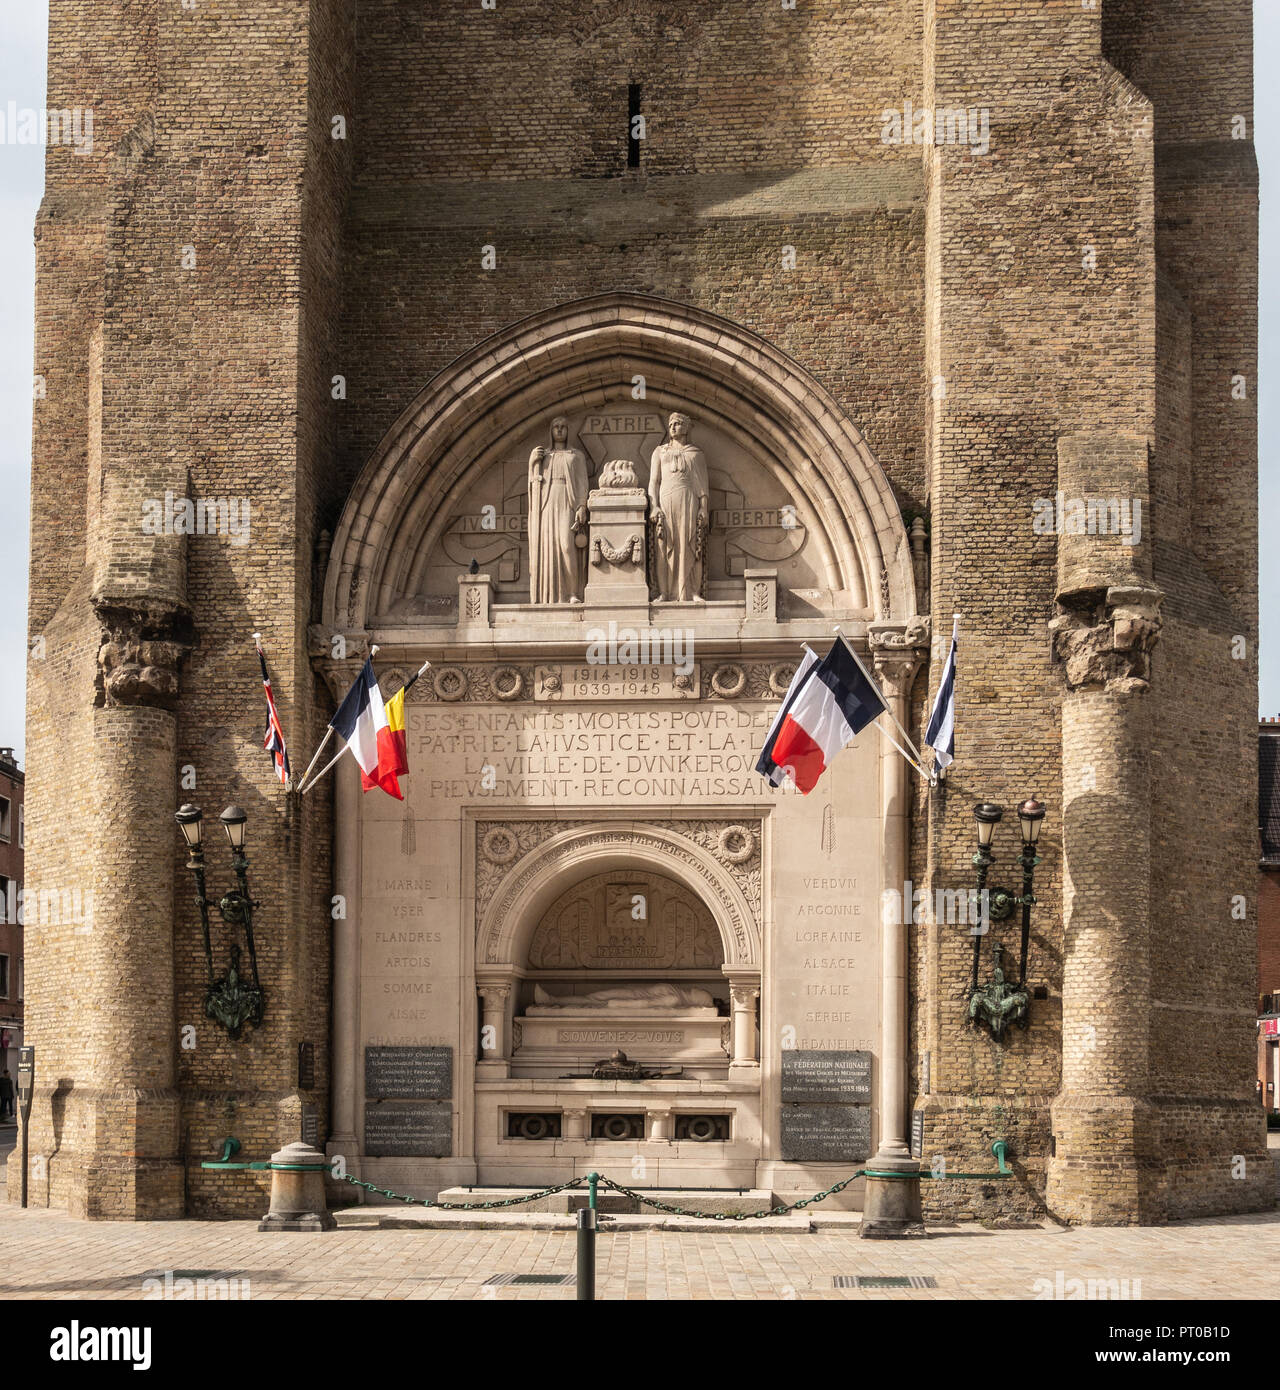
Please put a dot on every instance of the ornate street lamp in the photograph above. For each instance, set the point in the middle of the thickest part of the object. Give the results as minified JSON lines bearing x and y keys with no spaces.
{"x":998,"y":1002}
{"x":229,"y":999}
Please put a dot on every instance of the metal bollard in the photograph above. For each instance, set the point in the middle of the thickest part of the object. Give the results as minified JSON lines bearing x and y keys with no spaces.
{"x":586,"y":1255}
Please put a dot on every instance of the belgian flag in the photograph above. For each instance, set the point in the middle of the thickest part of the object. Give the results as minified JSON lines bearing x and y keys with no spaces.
{"x":393,"y":755}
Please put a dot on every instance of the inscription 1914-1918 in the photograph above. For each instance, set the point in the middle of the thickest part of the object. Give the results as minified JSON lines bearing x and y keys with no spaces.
{"x":408,"y":1073}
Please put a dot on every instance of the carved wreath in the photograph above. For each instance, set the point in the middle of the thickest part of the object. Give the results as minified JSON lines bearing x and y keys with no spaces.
{"x":632,"y":549}
{"x":449,"y":683}
{"x":508,"y":683}
{"x":729,"y":681}
{"x":735,"y":844}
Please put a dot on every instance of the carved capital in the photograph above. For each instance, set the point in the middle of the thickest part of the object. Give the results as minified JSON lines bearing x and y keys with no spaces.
{"x":495,"y":996}
{"x":1104,"y":638}
{"x":141,"y":653}
{"x":744,"y":996}
{"x":898,"y":649}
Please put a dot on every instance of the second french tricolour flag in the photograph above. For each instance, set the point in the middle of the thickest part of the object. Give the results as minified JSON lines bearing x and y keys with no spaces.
{"x":836,"y":701}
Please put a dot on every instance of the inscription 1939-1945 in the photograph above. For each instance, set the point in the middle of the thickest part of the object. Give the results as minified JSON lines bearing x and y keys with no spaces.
{"x":408,"y":1073}
{"x":826,"y":1077}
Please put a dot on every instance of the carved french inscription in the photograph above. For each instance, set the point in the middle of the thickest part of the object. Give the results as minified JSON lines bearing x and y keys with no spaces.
{"x":617,"y":1036}
{"x":412,"y":1073}
{"x":392,"y":1129}
{"x":543,"y":753}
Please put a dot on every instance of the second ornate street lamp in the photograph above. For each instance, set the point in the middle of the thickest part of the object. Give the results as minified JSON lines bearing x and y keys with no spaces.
{"x":230,"y":999}
{"x":998,"y":1002}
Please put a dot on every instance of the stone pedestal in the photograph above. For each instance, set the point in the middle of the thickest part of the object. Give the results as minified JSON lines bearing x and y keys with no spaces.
{"x":891,"y":1206}
{"x":616,"y":577}
{"x":297,"y":1192}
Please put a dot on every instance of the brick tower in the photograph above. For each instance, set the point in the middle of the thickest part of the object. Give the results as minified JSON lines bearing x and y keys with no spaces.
{"x":1015,"y":244}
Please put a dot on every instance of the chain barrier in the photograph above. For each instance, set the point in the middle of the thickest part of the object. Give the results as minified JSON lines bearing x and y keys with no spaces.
{"x":460,"y":1206}
{"x":779,"y":1210}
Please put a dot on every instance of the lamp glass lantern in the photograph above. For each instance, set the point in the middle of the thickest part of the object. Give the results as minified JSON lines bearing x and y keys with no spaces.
{"x":988,"y":817}
{"x":233,"y":822}
{"x":188,"y":818}
{"x":1031,"y":817}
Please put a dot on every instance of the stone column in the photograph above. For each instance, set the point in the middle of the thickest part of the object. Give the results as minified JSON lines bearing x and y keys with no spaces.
{"x":493,"y":1004}
{"x":574,"y":1124}
{"x":891,"y":1206}
{"x":343,"y":1138}
{"x":744,"y":1024}
{"x":1105,"y":1165}
{"x":660,"y":1126}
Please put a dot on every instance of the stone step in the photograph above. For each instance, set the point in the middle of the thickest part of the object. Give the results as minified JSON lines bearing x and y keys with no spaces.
{"x":728,"y":1201}
{"x":432,"y":1219}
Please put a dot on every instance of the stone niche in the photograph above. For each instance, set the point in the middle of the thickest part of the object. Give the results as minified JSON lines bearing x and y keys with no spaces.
{"x":755,"y":520}
{"x":627,"y":961}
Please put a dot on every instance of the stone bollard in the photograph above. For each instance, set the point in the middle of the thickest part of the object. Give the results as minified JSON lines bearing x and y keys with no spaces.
{"x":297,"y":1191}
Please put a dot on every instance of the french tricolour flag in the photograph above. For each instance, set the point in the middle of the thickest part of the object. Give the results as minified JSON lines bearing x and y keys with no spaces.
{"x":766,"y":766}
{"x":362,"y":720}
{"x":836,"y":701}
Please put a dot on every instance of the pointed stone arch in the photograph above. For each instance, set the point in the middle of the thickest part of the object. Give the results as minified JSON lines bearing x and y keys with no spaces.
{"x":490,"y":395}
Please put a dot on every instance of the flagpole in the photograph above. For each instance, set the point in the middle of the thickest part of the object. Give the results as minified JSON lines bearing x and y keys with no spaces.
{"x":328,"y":734}
{"x":346,"y":748}
{"x":887,"y":709}
{"x":901,"y":749}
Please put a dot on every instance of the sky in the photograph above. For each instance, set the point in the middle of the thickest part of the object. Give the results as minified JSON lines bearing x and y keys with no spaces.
{"x":23,"y":30}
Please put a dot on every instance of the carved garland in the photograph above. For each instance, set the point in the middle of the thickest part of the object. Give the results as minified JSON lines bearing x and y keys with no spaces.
{"x":632,"y":549}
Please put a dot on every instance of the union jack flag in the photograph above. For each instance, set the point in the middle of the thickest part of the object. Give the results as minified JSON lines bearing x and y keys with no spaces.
{"x":274,"y":741}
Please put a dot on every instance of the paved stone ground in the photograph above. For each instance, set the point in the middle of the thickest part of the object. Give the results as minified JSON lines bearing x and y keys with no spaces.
{"x":50,"y":1256}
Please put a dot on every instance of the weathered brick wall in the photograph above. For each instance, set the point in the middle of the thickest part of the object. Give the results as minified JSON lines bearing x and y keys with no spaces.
{"x":945,"y":298}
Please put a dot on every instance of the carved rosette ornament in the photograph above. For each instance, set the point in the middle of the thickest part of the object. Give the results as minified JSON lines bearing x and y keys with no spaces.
{"x":1105,"y":638}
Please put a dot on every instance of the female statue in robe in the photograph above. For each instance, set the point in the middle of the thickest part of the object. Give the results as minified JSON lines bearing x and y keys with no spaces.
{"x":678,"y":506}
{"x":557,"y":517}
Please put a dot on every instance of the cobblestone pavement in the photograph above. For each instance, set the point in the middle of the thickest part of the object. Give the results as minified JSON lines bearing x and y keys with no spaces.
{"x":51,"y":1256}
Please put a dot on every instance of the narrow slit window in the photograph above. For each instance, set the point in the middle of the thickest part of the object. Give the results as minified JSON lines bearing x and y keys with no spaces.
{"x":635,"y":126}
